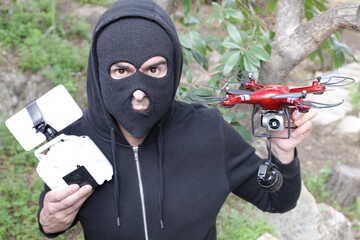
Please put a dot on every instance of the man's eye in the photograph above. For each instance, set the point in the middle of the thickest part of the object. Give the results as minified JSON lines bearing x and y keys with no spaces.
{"x":153,"y":70}
{"x":121,"y":71}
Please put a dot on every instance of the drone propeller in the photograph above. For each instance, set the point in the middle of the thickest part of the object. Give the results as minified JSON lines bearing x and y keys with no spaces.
{"x":212,"y":101}
{"x":242,"y":77}
{"x":238,"y":92}
{"x":231,"y":91}
{"x":333,"y":80}
{"x":312,"y":104}
{"x":324,"y":76}
{"x":338,"y":82}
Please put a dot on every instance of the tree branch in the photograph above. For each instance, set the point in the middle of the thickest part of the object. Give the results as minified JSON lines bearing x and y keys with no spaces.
{"x":291,"y":48}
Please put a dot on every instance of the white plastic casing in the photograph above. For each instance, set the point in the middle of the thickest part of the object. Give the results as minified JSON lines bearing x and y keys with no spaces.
{"x":66,"y":153}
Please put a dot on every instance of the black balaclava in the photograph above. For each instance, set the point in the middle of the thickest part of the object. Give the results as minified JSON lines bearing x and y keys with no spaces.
{"x":135,"y":40}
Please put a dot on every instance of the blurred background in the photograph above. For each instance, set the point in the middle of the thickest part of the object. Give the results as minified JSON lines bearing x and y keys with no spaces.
{"x":44,"y":43}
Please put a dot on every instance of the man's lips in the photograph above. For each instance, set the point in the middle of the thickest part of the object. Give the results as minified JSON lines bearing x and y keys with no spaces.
{"x":139,"y":107}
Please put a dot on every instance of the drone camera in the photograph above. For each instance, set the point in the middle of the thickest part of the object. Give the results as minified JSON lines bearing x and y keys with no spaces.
{"x":273,"y":122}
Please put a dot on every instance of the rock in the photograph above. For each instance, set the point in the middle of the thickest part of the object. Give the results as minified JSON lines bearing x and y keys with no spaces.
{"x":349,"y":124}
{"x":267,"y":236}
{"x":306,"y":221}
{"x":17,"y":90}
{"x":345,"y":184}
{"x":337,"y":225}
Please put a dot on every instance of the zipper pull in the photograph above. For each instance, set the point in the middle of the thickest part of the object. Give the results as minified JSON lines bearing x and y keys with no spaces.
{"x":136,"y":153}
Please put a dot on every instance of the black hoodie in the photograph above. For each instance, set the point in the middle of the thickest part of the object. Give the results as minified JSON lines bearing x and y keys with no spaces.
{"x":173,"y":185}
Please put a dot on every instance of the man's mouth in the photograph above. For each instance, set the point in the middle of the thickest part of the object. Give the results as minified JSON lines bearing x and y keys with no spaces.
{"x":140,"y":106}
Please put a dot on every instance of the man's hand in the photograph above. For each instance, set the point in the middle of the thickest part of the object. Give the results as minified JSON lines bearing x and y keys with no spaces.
{"x":61,"y":206}
{"x":284,"y":148}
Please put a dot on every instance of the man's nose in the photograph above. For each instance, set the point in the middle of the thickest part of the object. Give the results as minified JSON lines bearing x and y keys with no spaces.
{"x":139,"y":95}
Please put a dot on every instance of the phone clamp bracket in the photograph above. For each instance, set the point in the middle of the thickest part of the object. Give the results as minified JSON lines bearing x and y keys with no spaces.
{"x":39,"y":122}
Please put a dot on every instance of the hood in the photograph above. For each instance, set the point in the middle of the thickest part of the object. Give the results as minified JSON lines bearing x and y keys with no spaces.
{"x":147,"y":9}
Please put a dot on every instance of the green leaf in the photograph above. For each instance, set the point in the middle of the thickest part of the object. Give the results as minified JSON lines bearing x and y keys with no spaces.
{"x":215,"y":4}
{"x":200,"y":58}
{"x":260,"y":53}
{"x":212,"y":18}
{"x":187,"y":6}
{"x":191,"y":20}
{"x":235,"y":14}
{"x":231,"y":62}
{"x":252,"y":58}
{"x":231,"y":45}
{"x":234,"y":33}
{"x":271,"y":6}
{"x":189,"y":76}
{"x":201,"y":92}
{"x":184,"y":40}
{"x":248,"y":66}
{"x":187,"y":54}
{"x":197,"y":41}
{"x":244,"y":36}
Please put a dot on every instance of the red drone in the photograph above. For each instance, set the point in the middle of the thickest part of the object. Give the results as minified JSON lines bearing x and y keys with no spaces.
{"x":274,"y":101}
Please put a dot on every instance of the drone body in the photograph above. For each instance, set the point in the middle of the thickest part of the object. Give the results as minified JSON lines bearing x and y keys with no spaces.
{"x":275,"y":97}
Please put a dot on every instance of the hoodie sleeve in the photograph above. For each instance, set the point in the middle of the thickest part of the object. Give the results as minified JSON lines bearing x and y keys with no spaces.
{"x":241,"y":166}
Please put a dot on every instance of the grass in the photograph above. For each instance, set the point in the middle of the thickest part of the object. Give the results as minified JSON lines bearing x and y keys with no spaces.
{"x":42,"y":44}
{"x":239,"y":220}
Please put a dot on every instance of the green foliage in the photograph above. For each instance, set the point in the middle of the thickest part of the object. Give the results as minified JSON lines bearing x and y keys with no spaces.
{"x":355,"y":96}
{"x":244,"y":46}
{"x":19,"y":190}
{"x":43,"y":45}
{"x":317,"y":184}
{"x":242,"y":35}
{"x":236,"y":221}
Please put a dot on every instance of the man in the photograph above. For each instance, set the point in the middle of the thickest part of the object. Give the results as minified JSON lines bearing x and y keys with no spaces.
{"x":174,"y":163}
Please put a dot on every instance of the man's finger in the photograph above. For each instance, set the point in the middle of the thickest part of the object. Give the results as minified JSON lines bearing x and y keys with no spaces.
{"x":72,"y":204}
{"x":59,"y":195}
{"x":77,"y":196}
{"x":301,"y":118}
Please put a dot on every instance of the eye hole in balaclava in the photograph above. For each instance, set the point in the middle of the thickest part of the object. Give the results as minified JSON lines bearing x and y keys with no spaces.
{"x":135,"y":41}
{"x":154,"y":67}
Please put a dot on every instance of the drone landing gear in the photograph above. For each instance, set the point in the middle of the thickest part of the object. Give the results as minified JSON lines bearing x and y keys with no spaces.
{"x":272,"y":120}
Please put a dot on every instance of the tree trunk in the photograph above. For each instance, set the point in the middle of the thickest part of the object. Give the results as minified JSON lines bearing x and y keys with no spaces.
{"x":295,"y":40}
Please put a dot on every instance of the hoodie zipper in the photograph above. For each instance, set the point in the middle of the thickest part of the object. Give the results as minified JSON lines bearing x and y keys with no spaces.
{"x":141,"y":189}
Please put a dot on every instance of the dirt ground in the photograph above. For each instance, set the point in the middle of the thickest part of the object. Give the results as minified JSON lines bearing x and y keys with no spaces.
{"x":326,"y":148}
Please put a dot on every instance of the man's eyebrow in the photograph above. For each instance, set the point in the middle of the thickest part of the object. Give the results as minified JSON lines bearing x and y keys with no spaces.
{"x":121,"y":65}
{"x":160,"y":62}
